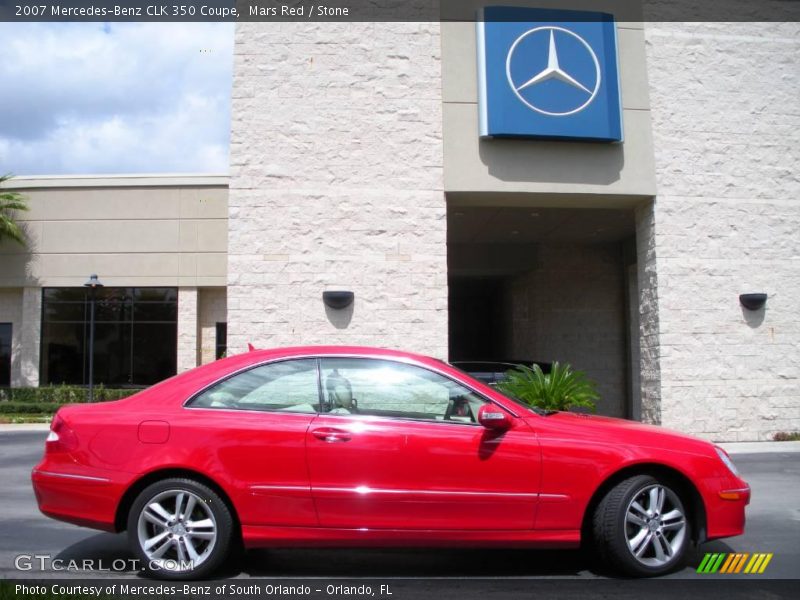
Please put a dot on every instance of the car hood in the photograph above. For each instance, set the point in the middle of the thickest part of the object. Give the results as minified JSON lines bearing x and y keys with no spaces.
{"x":622,"y":431}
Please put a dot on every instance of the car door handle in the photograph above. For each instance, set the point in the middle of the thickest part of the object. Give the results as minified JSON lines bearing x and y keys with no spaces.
{"x":331,"y":434}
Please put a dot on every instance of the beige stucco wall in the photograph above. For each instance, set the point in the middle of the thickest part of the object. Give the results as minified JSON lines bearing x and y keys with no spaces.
{"x":726,"y":222}
{"x":336,"y":183}
{"x":136,"y":230}
{"x":132,"y":230}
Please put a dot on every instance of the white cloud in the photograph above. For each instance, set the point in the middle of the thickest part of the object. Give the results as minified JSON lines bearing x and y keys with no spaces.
{"x":86,"y":98}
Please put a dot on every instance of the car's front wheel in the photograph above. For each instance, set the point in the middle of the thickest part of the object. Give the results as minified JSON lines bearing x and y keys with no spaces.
{"x":180,"y":529}
{"x":641,"y":527}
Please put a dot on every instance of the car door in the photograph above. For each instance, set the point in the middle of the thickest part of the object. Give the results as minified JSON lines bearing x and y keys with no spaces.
{"x":398,"y":446}
{"x":254,"y":424}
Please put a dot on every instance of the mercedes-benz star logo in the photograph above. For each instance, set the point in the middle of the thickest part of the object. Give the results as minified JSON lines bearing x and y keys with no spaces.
{"x":554,"y":71}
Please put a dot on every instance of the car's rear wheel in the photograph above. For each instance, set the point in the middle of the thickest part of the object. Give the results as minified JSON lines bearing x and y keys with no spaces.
{"x":180,"y":529}
{"x":641,"y":527}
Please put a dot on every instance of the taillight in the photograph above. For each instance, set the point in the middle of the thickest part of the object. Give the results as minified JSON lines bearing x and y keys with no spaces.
{"x":61,"y":438}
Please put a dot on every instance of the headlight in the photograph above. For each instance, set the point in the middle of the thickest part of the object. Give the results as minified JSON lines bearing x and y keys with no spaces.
{"x":723,"y":456}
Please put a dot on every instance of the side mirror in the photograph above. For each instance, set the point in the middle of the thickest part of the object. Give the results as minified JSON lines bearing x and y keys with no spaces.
{"x":493,"y":417}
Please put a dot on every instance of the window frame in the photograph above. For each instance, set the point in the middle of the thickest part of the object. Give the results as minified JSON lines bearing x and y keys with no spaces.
{"x":318,"y":358}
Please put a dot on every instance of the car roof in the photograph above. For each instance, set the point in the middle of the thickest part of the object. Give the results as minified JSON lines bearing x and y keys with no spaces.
{"x":336,"y":350}
{"x":177,"y":389}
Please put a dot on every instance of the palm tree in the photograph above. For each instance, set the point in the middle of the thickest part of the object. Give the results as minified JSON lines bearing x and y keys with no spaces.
{"x":10,"y":202}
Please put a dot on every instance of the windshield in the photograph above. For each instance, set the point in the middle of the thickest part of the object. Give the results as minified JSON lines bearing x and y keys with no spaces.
{"x":511,"y":397}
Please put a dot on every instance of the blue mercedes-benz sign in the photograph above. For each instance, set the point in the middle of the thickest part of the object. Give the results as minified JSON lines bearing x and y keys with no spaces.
{"x":548,"y":74}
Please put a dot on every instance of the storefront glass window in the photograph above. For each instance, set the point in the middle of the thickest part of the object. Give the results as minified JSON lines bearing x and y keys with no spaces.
{"x":136,"y":331}
{"x":5,"y":354}
{"x":222,"y":340}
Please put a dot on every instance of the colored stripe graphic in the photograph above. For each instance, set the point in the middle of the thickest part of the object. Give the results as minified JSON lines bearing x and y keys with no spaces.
{"x":740,"y":563}
{"x":757,"y":565}
{"x":749,"y":566}
{"x":702,"y":567}
{"x":731,"y":563}
{"x":711,"y":563}
{"x":727,"y":564}
{"x":715,"y":567}
{"x":765,"y":563}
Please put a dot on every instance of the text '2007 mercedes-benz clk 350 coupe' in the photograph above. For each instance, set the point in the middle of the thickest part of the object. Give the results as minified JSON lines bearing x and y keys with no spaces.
{"x":348,"y":447}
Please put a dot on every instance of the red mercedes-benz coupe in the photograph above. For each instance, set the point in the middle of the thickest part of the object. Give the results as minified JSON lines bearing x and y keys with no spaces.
{"x":339,"y":446}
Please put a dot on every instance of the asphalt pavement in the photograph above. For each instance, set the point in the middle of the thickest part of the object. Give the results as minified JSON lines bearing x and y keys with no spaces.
{"x":773,"y":527}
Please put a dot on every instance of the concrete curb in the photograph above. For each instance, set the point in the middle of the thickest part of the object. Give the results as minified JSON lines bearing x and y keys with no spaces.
{"x":759,"y":447}
{"x":6,"y":427}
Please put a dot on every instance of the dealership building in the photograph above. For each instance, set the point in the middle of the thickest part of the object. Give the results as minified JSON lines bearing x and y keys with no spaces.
{"x":598,"y":192}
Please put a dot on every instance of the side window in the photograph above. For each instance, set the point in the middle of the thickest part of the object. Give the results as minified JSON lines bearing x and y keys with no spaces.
{"x":288,"y":386}
{"x":390,"y":389}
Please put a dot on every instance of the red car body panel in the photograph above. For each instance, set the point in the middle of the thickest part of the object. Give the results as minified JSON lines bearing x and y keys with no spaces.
{"x":391,"y":482}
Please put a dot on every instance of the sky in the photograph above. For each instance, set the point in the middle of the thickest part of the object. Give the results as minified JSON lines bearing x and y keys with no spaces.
{"x":102,"y":98}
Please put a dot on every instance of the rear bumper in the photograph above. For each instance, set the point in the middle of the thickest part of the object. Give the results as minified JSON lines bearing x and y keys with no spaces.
{"x":85,"y":500}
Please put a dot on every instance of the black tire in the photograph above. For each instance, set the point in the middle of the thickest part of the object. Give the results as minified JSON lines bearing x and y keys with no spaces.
{"x":660,"y":537}
{"x":205,"y":530}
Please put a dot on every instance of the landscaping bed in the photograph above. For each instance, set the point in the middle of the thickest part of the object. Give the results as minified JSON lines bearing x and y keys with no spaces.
{"x":39,"y":404}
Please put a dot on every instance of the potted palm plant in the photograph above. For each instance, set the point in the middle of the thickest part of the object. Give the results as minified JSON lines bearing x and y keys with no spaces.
{"x":560,"y":389}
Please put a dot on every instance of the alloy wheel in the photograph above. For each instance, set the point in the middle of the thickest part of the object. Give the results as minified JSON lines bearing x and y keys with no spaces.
{"x":177,"y":530}
{"x":655,"y":526}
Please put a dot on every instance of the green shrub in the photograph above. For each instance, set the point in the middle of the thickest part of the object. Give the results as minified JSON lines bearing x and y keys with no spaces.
{"x":61,"y":394}
{"x":25,"y":418}
{"x":7,"y":408}
{"x":784,"y":436}
{"x":561,"y":389}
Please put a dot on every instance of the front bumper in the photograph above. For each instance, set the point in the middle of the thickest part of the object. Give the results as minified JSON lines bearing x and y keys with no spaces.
{"x":726,"y":510}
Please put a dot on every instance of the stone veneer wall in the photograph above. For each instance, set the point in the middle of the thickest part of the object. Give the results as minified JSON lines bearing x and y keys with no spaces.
{"x":337,"y":183}
{"x":724,"y":102}
{"x":649,"y":340}
{"x":188,"y":329}
{"x":30,"y":337}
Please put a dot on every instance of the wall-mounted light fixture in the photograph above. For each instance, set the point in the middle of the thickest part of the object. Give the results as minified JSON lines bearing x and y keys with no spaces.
{"x":753,"y":301}
{"x":338,"y":299}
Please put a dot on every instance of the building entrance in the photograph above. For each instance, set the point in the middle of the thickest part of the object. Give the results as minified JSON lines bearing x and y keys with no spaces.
{"x":544,"y":285}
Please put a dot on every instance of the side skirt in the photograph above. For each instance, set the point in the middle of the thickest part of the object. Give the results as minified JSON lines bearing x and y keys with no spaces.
{"x":299,"y":537}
